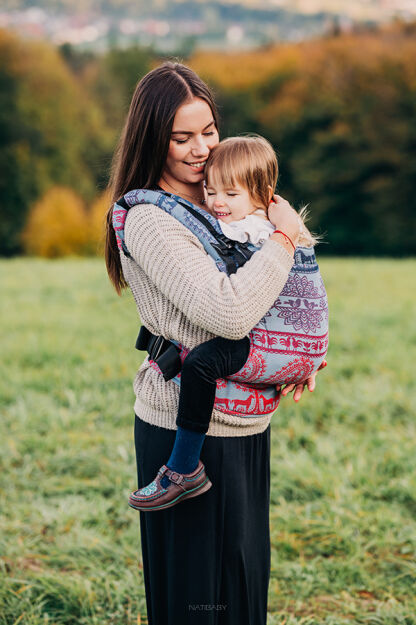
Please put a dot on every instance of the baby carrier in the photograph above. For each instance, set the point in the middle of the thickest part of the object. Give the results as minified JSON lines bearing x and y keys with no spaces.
{"x":287,"y":345}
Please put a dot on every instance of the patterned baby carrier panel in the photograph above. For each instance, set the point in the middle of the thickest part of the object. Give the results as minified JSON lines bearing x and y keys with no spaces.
{"x":287,"y":345}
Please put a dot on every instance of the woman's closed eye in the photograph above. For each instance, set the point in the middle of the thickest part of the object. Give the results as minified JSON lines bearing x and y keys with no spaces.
{"x":181,"y":141}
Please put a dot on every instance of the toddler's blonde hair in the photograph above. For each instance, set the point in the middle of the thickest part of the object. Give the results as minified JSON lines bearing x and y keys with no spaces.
{"x":251,"y":161}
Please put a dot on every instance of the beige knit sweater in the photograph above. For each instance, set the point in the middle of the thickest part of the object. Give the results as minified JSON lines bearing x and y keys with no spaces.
{"x":180,"y":294}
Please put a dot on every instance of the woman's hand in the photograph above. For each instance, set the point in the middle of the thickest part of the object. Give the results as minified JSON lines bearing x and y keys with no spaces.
{"x":299,"y":388}
{"x":284,"y":217}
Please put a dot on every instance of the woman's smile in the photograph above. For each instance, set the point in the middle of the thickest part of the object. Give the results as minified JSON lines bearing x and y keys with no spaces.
{"x":193,"y":136}
{"x":197,"y":167}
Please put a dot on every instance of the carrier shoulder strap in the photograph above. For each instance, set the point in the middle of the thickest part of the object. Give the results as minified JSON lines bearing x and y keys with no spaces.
{"x":227,"y":254}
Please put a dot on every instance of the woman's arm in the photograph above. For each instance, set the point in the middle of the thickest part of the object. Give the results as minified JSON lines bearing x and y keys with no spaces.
{"x":177,"y":264}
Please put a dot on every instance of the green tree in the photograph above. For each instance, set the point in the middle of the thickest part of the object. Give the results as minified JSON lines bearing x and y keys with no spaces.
{"x":341,"y":114}
{"x":112,"y":78}
{"x":51,"y":132}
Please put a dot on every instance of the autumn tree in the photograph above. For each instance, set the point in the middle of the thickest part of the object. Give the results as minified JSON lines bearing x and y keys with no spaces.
{"x":97,"y":222}
{"x":51,"y":133}
{"x":57,"y":225}
{"x":341,"y":114}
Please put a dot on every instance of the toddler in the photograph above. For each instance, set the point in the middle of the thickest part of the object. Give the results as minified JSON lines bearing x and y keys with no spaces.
{"x":241,"y":175}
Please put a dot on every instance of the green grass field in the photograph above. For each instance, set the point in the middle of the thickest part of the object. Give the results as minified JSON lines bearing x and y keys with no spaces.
{"x":343,"y":513}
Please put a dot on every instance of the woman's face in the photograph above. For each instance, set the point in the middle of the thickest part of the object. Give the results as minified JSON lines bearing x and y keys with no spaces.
{"x":193,"y":136}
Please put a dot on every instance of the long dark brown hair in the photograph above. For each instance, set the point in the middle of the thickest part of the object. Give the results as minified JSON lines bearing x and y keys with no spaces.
{"x":141,"y":154}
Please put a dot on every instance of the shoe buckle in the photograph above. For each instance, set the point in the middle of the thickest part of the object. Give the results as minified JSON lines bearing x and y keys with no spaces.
{"x":177,"y":478}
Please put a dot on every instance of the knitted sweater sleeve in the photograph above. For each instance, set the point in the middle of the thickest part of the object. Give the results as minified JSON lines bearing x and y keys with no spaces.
{"x":176,"y":263}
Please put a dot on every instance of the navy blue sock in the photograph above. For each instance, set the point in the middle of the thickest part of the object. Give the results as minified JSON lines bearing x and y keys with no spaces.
{"x":185,"y":453}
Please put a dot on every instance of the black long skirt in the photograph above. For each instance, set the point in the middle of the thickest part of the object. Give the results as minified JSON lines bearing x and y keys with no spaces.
{"x":206,"y":560}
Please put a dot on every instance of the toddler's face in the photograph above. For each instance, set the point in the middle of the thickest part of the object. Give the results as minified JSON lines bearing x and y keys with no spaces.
{"x":228,"y":203}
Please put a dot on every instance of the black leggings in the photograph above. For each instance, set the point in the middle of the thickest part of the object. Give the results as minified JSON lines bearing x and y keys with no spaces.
{"x":211,"y":360}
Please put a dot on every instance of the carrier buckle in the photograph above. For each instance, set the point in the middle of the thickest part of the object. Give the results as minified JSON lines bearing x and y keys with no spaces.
{"x":162,"y":351}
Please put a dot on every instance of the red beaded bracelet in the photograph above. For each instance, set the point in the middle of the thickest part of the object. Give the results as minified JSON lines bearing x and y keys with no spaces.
{"x":287,"y":238}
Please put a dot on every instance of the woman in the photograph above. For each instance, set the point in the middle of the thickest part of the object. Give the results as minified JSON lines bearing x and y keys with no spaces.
{"x":207,"y":560}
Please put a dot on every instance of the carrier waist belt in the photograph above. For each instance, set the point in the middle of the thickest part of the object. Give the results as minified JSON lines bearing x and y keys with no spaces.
{"x":162,"y":351}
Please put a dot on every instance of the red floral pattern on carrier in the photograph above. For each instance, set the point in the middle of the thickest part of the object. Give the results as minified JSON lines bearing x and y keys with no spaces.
{"x":286,"y":346}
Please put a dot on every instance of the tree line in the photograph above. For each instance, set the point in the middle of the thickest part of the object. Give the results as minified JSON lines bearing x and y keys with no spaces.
{"x":340,"y":112}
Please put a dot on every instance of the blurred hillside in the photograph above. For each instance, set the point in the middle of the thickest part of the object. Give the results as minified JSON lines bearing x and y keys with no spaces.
{"x":340,"y":111}
{"x":175,"y":26}
{"x":361,"y":9}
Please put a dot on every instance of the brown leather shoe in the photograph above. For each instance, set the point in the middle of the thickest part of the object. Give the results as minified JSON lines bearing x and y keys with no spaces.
{"x":182,"y":486}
